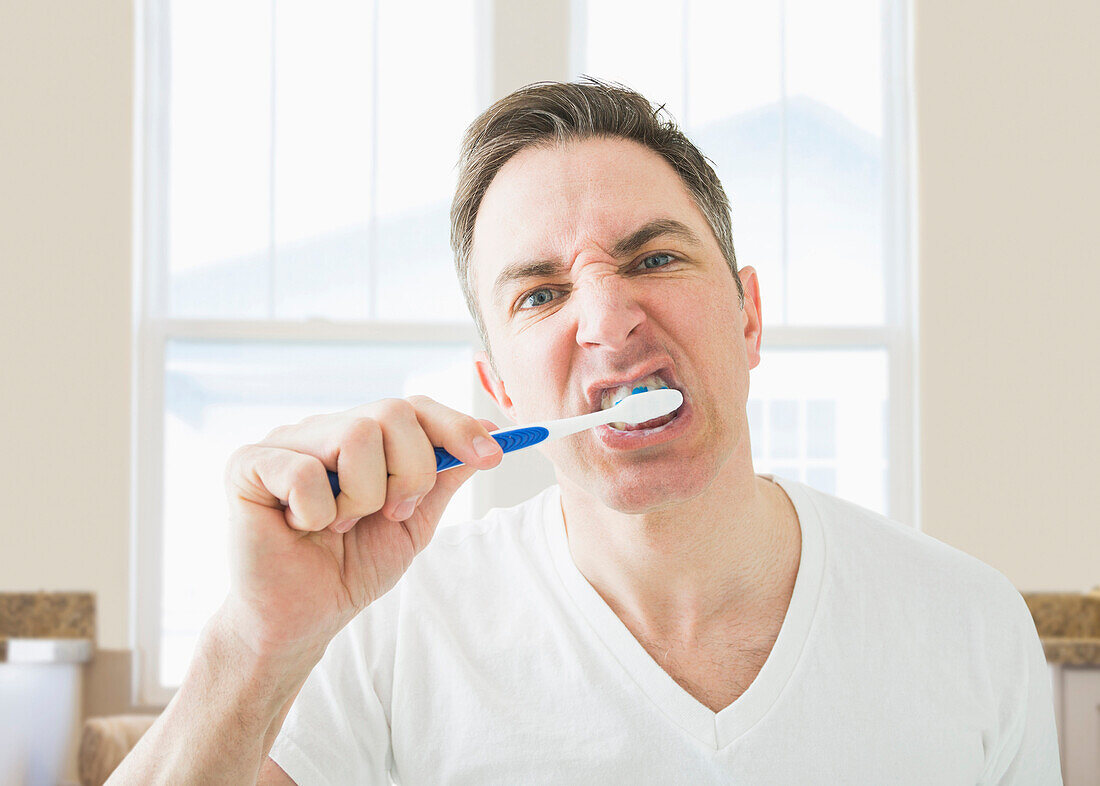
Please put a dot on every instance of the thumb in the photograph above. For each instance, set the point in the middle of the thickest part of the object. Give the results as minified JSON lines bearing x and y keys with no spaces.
{"x":446,"y":484}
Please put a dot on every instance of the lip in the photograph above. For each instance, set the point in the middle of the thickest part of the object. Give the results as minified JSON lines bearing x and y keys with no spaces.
{"x":595,"y":391}
{"x":633,"y":440}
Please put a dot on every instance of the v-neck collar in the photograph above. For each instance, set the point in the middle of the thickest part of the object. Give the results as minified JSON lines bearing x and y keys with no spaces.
{"x":715,"y":729}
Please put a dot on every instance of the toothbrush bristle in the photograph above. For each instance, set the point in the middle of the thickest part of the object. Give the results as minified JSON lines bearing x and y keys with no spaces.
{"x":647,"y":405}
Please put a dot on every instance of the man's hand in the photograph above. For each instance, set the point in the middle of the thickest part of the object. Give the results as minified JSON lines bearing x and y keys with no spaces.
{"x":305,"y":563}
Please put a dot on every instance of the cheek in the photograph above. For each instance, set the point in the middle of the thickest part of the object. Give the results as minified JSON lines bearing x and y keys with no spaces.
{"x":536,"y":372}
{"x":705,"y":325}
{"x":702,"y":310}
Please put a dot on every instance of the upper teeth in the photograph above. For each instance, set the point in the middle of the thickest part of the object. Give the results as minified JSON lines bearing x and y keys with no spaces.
{"x":613,"y":396}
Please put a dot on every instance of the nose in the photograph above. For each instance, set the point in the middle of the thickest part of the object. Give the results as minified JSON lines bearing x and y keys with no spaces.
{"x":607,"y":312}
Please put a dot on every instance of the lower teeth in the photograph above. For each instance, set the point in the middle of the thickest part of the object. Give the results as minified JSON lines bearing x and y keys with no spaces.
{"x":621,"y":426}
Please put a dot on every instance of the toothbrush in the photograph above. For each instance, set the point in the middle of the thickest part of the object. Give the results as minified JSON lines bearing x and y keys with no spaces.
{"x":635,"y":408}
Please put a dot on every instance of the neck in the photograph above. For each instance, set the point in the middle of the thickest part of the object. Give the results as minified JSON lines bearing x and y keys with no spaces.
{"x":728,"y":553}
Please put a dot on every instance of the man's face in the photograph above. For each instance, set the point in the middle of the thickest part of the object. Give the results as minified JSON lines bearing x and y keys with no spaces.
{"x":622,"y":279}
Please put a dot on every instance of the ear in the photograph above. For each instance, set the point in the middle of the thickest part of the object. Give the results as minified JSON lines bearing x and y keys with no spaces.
{"x":754,"y":326}
{"x":492,"y":384}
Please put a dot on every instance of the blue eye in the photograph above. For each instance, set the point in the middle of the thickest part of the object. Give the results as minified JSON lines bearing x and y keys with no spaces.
{"x":667,"y":258}
{"x":540,"y":297}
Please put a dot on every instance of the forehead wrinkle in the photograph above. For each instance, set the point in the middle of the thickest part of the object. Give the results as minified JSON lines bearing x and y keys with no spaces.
{"x":589,"y":171}
{"x":545,"y":268}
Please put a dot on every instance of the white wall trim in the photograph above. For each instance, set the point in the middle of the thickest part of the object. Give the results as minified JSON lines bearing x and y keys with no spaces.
{"x":150,"y":297}
{"x":899,"y":274}
{"x":317,"y":330}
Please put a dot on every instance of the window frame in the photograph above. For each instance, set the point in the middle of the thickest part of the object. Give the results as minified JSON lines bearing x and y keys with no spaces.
{"x":497,"y":70}
{"x":154,"y":328}
{"x":898,"y":333}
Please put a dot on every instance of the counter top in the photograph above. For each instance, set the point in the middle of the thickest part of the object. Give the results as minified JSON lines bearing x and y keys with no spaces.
{"x":47,"y":615}
{"x":1069,"y":626}
{"x":47,"y":627}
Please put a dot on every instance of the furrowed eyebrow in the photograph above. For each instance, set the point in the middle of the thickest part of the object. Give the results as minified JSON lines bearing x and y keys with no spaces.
{"x":654,"y":229}
{"x":521,"y":271}
{"x":627,"y":246}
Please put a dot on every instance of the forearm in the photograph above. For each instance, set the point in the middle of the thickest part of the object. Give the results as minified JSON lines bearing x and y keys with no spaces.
{"x":223,"y":720}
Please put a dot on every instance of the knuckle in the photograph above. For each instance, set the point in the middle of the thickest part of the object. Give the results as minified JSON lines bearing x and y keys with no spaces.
{"x":311,"y":420}
{"x":359,"y":410}
{"x":424,"y":482}
{"x":305,"y":471}
{"x":467,"y":427}
{"x":362,"y":429}
{"x":429,"y":484}
{"x":419,"y":400}
{"x":277,"y":434}
{"x":412,"y":485}
{"x":238,"y":459}
{"x":374,"y":498}
{"x":395,"y":409}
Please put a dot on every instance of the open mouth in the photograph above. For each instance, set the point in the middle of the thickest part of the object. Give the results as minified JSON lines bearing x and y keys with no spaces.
{"x":612,"y":396}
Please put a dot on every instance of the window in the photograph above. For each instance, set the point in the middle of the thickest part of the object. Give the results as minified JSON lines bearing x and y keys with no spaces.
{"x":801,"y":107}
{"x":298,"y":167}
{"x":296,"y":171}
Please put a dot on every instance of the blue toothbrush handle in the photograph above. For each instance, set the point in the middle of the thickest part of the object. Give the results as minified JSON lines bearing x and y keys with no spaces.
{"x":512,"y":439}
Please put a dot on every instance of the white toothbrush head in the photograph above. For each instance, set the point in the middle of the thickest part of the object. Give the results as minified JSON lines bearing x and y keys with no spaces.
{"x":640,"y":407}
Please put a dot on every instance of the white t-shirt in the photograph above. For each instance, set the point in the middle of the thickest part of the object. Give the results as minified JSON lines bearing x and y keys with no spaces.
{"x":901,"y":660}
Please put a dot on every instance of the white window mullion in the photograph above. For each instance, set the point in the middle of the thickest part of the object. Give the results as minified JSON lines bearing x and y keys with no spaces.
{"x":810,"y":337}
{"x":899,"y":274}
{"x":156,"y":57}
{"x":272,"y":254}
{"x":322,"y":330}
{"x":578,"y":39}
{"x":372,"y":224}
{"x":147,"y":541}
{"x":902,"y":433}
{"x":896,"y":169}
{"x":152,"y":304}
{"x":784,"y":169}
{"x":685,"y":70}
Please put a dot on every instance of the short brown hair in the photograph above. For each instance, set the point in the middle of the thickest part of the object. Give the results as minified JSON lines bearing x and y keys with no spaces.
{"x":547,"y":113}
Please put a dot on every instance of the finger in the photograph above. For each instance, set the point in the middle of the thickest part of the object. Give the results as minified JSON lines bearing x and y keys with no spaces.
{"x":463,"y":436}
{"x":349,"y":443}
{"x":422,"y":524}
{"x":410,"y":458}
{"x":407,"y":440}
{"x":361,"y":469}
{"x":447,"y":483}
{"x":277,"y":478}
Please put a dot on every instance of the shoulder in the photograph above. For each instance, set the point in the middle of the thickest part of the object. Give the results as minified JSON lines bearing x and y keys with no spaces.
{"x":868,"y":551}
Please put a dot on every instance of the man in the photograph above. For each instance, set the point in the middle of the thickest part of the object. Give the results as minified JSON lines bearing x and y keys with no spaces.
{"x":661,"y":615}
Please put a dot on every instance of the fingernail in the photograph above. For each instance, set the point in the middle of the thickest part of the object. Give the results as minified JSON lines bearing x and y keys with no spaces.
{"x":343,"y":526}
{"x":485,"y":447}
{"x":405,"y":509}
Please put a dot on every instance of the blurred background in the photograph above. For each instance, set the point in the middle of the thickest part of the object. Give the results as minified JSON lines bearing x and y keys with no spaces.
{"x":220,"y":217}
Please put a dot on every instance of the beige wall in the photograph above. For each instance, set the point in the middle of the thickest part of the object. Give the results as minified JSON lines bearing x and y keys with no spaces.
{"x":65,"y":150}
{"x":1008,"y":118}
{"x":1007,"y":175}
